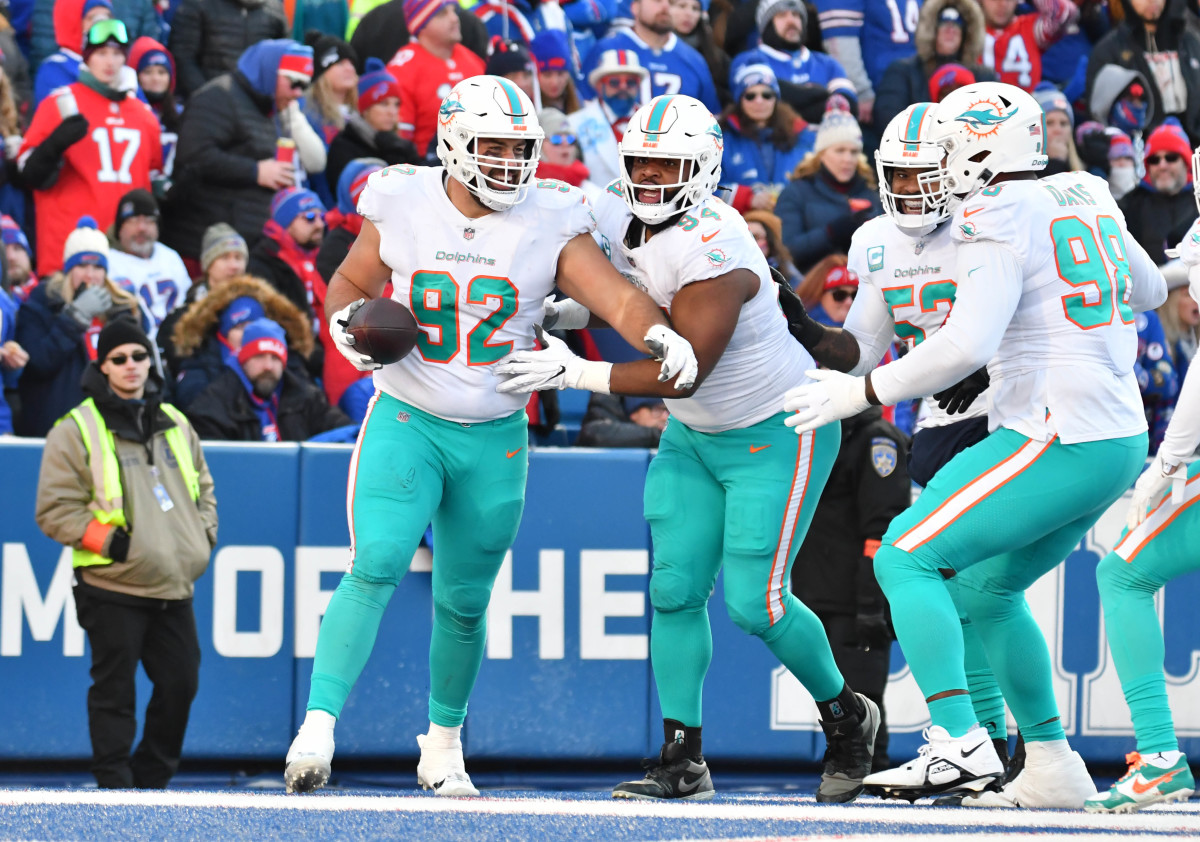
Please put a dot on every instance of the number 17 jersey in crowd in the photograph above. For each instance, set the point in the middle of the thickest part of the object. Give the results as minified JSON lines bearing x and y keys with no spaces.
{"x":475,"y":286}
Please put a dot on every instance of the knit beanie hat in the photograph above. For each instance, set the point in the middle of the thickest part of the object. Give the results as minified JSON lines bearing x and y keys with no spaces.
{"x":296,"y":63}
{"x":353,"y":181}
{"x":1169,"y":138}
{"x":418,"y":12}
{"x":12,"y":235}
{"x":291,"y":202}
{"x":551,"y":50}
{"x":220,"y":239}
{"x":947,"y":78}
{"x":376,"y":84}
{"x":136,"y":202}
{"x":754,"y":74}
{"x":120,"y":332}
{"x":86,"y":245}
{"x":1120,"y":145}
{"x":263,"y":336}
{"x":88,"y":5}
{"x":508,"y":57}
{"x":838,"y":127}
{"x":328,"y":50}
{"x":242,"y":309}
{"x":1052,"y":99}
{"x":768,"y":9}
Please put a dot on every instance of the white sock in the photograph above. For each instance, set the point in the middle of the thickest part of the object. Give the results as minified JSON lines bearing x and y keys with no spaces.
{"x":1165,"y":758}
{"x":445,"y":737}
{"x":1048,"y":749}
{"x":319,"y":720}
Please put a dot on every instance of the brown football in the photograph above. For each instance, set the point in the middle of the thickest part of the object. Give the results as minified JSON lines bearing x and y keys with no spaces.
{"x":384,"y":329}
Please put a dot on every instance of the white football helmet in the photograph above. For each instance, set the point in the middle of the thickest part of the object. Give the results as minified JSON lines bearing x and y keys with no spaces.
{"x":987,"y":129}
{"x":678,"y":127}
{"x":488,"y":106}
{"x":906,"y":143}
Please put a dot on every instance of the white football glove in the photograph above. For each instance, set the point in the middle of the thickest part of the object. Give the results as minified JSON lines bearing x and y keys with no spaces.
{"x":1150,"y":486}
{"x":676,"y":355}
{"x":345,"y":342}
{"x":832,"y":397}
{"x":567,"y":314}
{"x":553,"y":367}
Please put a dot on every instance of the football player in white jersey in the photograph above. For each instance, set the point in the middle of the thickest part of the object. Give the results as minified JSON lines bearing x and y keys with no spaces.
{"x":905,"y":261}
{"x":1048,"y":281}
{"x":1159,"y":545}
{"x":726,"y":488}
{"x":472,"y":248}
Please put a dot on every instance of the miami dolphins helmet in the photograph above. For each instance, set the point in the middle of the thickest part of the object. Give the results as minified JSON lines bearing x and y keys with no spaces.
{"x":906,"y":145}
{"x":489,"y":106}
{"x":678,"y":127}
{"x":987,"y":129}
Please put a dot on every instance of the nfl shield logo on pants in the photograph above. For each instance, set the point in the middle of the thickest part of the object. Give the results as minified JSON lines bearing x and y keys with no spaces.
{"x":468,"y":233}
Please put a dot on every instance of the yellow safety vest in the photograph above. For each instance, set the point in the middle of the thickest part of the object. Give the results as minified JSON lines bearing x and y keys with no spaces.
{"x":108,"y":501}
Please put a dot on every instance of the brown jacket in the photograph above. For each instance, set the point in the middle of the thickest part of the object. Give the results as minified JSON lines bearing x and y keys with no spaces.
{"x":168,"y":551}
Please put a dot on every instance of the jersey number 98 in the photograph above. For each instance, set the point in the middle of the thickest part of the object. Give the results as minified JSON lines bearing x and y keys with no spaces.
{"x":1081,"y":265}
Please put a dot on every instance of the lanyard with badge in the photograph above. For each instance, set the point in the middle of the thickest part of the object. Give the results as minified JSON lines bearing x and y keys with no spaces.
{"x":160,"y":492}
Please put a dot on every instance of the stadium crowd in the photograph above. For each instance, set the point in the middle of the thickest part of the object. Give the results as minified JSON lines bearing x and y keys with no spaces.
{"x":194,"y":165}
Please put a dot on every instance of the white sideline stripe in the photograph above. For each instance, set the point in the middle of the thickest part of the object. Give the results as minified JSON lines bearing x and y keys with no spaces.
{"x":975,"y":837}
{"x":1184,"y":819}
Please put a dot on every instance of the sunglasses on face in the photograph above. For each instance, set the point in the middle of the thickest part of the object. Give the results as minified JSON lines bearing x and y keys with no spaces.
{"x":1170,"y":158}
{"x":632,"y":84}
{"x":840,"y":295}
{"x":750,"y":96}
{"x":121,"y":359}
{"x":297,"y":85}
{"x":310,"y":215}
{"x":110,"y":29}
{"x":561,"y":139}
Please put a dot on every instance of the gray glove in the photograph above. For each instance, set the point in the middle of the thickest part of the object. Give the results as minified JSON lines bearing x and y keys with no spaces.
{"x":92,"y":302}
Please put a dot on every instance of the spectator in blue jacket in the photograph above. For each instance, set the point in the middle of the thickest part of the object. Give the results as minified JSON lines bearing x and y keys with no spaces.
{"x":1156,"y":375}
{"x":12,"y":356}
{"x":764,"y":140}
{"x":832,"y":194}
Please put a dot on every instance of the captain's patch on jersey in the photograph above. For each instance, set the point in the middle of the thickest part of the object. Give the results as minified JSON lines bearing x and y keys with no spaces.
{"x":883,"y":456}
{"x":875,"y":258}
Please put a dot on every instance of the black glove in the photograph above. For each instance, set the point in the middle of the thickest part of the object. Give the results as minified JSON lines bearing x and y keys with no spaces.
{"x":118,"y":545}
{"x":1094,"y":149}
{"x":41,"y":167}
{"x":960,"y":396}
{"x":871,"y":628}
{"x":842,"y":229}
{"x":803,"y":328}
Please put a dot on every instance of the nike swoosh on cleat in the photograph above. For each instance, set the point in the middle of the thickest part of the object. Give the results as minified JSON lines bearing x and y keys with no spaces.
{"x":1142,"y":786}
{"x":684,"y":786}
{"x":966,"y":753}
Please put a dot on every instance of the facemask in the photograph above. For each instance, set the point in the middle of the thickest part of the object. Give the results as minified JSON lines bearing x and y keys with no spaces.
{"x":1121,"y":180}
{"x":621,"y":106}
{"x":1128,"y":117}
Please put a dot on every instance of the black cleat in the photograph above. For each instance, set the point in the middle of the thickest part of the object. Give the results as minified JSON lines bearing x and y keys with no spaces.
{"x":672,"y":775}
{"x":850,"y":748}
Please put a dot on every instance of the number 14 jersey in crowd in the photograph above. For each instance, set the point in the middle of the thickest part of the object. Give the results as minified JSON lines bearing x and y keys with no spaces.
{"x":475,"y":286}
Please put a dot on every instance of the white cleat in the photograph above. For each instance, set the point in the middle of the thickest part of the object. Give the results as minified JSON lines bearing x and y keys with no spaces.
{"x":309,"y":759}
{"x":945,"y":763}
{"x":1054,"y":776}
{"x":442,"y":769}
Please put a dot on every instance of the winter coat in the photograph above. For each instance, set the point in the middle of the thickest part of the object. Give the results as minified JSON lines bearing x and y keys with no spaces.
{"x":1156,"y":220}
{"x":607,"y":424}
{"x":1110,"y":81}
{"x":1126,"y":44}
{"x":208,"y":36}
{"x":227,"y":129}
{"x":50,"y":383}
{"x":16,"y":68}
{"x":224,"y":411}
{"x":334,"y":248}
{"x":194,"y":336}
{"x":906,"y":80}
{"x":755,"y":160}
{"x":807,"y":206}
{"x":358,"y":140}
{"x":168,"y":551}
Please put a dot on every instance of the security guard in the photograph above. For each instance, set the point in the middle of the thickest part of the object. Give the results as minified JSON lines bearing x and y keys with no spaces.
{"x":124,"y":483}
{"x":834,"y":575}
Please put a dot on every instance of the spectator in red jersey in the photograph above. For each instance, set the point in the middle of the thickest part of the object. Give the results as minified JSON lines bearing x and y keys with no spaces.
{"x":371,"y":131}
{"x":72,"y":18}
{"x":428,"y":67}
{"x":59,"y":325}
{"x":88,"y":159}
{"x":1015,"y":43}
{"x":227,"y":168}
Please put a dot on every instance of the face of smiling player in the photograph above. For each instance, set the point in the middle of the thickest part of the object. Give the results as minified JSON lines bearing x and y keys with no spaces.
{"x":495,"y":154}
{"x":905,"y":183}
